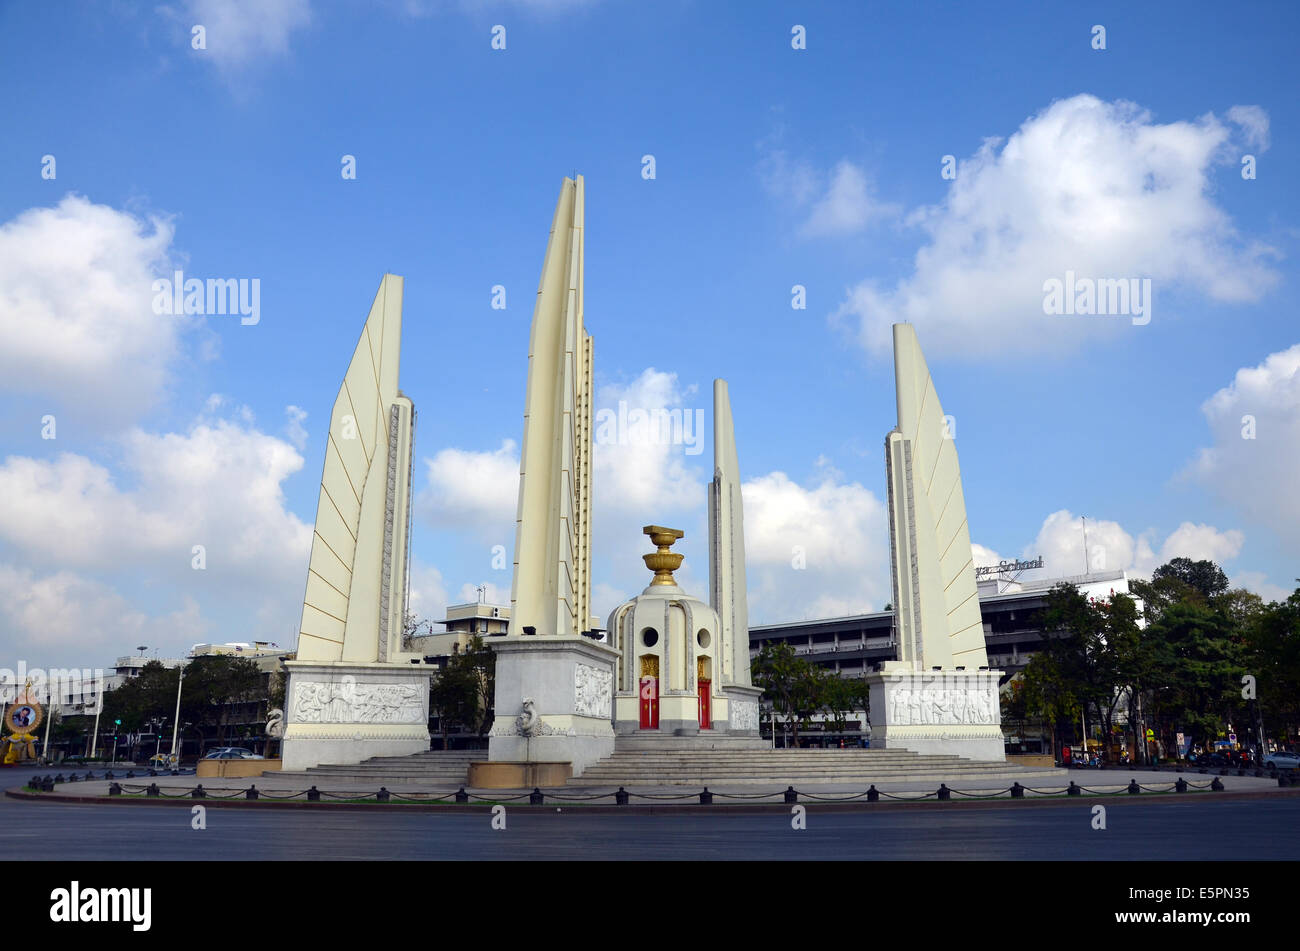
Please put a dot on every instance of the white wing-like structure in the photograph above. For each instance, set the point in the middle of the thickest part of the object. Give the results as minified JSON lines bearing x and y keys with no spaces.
{"x":355,"y":602}
{"x":935,"y":598}
{"x":727,"y":543}
{"x":551,"y":590}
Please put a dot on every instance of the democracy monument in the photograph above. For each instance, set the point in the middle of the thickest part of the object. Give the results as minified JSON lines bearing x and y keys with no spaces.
{"x":674,"y":671}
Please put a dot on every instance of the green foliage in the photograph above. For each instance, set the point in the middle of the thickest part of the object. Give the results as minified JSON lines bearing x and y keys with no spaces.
{"x":463,"y":691}
{"x":212,"y":684}
{"x":799,"y":690}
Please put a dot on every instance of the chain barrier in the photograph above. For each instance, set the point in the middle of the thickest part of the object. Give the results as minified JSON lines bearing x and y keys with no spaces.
{"x":622,"y":796}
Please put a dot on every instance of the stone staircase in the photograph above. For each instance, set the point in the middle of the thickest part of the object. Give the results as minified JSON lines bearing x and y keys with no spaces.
{"x":775,"y":769}
{"x":440,"y":768}
{"x":778,"y":768}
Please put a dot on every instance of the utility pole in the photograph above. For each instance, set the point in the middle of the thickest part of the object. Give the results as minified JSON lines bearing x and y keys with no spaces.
{"x":49,"y":721}
{"x":99,"y":708}
{"x":177,"y":722}
{"x":1087,"y":564}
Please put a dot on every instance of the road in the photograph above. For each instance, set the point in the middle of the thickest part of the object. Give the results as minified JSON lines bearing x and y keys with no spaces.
{"x":1135,"y":830}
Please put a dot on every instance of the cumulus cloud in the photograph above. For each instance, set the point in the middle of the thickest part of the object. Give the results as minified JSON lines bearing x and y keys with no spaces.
{"x":77,"y":325}
{"x":1110,"y":547}
{"x":242,"y":32}
{"x":293,"y":427}
{"x":1255,"y":427}
{"x":818,"y":551}
{"x":835,"y":204}
{"x":84,"y":620}
{"x":219,"y":485}
{"x":1096,"y":188}
{"x":472,"y":491}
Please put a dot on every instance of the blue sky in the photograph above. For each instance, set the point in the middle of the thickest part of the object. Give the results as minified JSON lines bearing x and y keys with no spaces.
{"x":773,"y":167}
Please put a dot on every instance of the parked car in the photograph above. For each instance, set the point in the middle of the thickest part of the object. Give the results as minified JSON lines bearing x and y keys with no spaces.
{"x":231,"y":752}
{"x":1282,"y":760}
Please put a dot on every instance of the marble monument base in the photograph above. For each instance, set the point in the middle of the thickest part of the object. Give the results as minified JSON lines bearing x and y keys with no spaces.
{"x":339,"y":713}
{"x":553,"y":700}
{"x":936,"y":711}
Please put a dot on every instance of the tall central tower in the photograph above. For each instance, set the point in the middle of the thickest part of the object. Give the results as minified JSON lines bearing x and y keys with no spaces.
{"x":551,"y":590}
{"x":553,"y":685}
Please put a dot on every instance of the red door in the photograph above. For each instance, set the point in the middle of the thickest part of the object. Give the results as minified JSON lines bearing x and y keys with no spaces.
{"x":649,"y":703}
{"x":706,"y":710}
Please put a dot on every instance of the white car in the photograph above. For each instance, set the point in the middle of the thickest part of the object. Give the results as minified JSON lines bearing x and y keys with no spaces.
{"x":1282,"y":760}
{"x":231,"y":752}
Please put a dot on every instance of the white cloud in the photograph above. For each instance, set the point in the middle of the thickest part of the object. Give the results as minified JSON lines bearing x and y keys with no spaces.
{"x":842,"y":202}
{"x":837,"y":532}
{"x":848,"y":205}
{"x":1254,"y":124}
{"x":1087,"y":186}
{"x":294,"y":429}
{"x":472,"y":491}
{"x":492,"y":594}
{"x":1202,"y":543}
{"x":83,"y":620}
{"x":1111,"y":548}
{"x":1258,"y":582}
{"x":241,"y":32}
{"x":219,"y":486}
{"x":1255,"y":456}
{"x":76,"y":319}
{"x":427,"y":597}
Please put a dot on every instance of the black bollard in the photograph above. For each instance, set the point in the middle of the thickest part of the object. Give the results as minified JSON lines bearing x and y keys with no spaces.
{"x":1074,"y":789}
{"x":621,"y":797}
{"x":873,"y":795}
{"x":152,"y":771}
{"x":1217,"y":785}
{"x":791,"y":795}
{"x":59,"y":778}
{"x":1133,"y":787}
{"x":114,"y":789}
{"x":130,"y":774}
{"x":944,"y":792}
{"x":535,"y":798}
{"x":706,"y":797}
{"x":313,"y":795}
{"x":1181,"y":785}
{"x":72,"y":777}
{"x":153,"y":791}
{"x":1017,"y":791}
{"x":199,"y":792}
{"x":382,"y":795}
{"x":108,"y":774}
{"x":461,"y":795}
{"x":251,"y":793}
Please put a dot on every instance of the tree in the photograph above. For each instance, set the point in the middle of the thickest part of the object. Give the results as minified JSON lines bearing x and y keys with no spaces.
{"x":1204,"y":577}
{"x":453,"y":693}
{"x":1271,"y":649}
{"x":795,"y":687}
{"x":148,"y":695}
{"x":212,"y":684}
{"x":1199,"y":667}
{"x":463,"y":692}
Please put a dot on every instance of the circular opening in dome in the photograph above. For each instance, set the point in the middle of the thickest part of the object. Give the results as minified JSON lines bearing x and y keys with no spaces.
{"x":702,"y":638}
{"x":649,"y":637}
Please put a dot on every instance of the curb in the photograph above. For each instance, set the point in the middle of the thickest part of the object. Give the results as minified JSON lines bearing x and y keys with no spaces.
{"x":684,"y":809}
